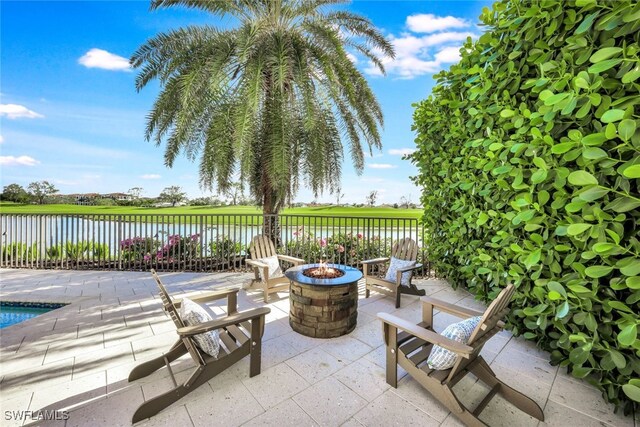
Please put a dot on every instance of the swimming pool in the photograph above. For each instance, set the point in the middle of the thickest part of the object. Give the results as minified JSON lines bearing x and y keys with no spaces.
{"x":15,"y":312}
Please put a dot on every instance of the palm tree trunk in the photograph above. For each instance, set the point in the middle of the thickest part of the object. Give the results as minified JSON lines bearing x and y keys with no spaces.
{"x":270,"y":213}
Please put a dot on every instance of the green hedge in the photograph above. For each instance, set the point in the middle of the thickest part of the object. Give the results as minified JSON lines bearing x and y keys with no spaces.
{"x":528,"y":154}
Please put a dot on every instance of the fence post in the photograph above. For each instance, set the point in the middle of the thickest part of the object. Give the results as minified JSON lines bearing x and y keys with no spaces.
{"x":118,"y":240}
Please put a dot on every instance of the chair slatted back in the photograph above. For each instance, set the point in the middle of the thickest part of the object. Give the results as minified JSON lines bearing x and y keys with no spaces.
{"x":261,"y":247}
{"x":173,"y":312}
{"x":487,"y":327}
{"x":496,"y":311}
{"x":405,"y":249}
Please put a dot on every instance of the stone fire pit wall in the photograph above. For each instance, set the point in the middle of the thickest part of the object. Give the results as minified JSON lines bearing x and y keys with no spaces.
{"x":323,"y":307}
{"x":323,"y":311}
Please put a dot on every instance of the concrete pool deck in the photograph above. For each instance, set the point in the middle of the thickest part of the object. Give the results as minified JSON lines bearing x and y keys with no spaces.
{"x":77,"y":359}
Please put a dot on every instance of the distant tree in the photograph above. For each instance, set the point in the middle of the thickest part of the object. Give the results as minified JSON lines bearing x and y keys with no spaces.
{"x":65,"y":200}
{"x":135,"y":192}
{"x":372,"y":197}
{"x":405,"y":201}
{"x":14,"y":193}
{"x":247,"y":201}
{"x":206,"y":201}
{"x":40,"y":190}
{"x":235,"y":191}
{"x":173,"y":195}
{"x":339,"y":195}
{"x":106,"y":201}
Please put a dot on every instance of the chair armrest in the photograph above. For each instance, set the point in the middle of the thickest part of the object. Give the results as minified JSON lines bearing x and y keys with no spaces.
{"x":257,"y":264}
{"x":213,"y":295}
{"x":375,"y":261}
{"x":405,"y":269}
{"x":230,"y":294}
{"x":260,"y":266}
{"x":427,"y":335}
{"x":233,"y":319}
{"x":456,"y":310}
{"x":292,"y":260}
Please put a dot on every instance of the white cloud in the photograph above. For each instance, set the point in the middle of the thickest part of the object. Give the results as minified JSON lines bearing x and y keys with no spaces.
{"x":419,"y":54}
{"x":448,"y":55}
{"x":150,"y":176}
{"x":20,"y":160}
{"x":15,"y":111}
{"x":401,"y":151}
{"x":381,"y":166}
{"x":428,"y":23}
{"x":352,"y":58}
{"x":98,"y":58}
{"x":1,"y":139}
{"x":416,"y":56}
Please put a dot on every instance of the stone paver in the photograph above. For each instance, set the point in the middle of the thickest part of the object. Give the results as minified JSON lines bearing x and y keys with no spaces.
{"x":78,"y":358}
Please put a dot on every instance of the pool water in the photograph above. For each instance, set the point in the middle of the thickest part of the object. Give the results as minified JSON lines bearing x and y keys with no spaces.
{"x":16,"y":312}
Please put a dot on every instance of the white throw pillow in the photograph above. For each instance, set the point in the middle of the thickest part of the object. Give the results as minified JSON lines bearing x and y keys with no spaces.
{"x":193,"y":314}
{"x":441,"y":358}
{"x":274,"y":266}
{"x":394,"y":265}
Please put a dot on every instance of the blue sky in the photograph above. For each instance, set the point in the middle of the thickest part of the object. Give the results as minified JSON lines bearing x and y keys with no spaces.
{"x":70,"y":114}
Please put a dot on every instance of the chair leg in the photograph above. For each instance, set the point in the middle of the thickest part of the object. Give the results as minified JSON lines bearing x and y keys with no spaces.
{"x":398,"y":293}
{"x":200,"y":375}
{"x":482,"y":370}
{"x":152,"y":406}
{"x":255,"y":355}
{"x":365,"y":271}
{"x":412,"y":290}
{"x":391,"y":339}
{"x":147,"y":368}
{"x":265,"y":290}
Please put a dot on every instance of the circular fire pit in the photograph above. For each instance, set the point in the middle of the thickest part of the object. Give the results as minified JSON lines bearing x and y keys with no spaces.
{"x":323,"y":301}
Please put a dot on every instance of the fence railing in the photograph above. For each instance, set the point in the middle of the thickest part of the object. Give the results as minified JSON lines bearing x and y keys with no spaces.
{"x":193,"y":242}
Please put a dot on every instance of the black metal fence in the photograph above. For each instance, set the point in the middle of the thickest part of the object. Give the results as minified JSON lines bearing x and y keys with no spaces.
{"x":192,"y":242}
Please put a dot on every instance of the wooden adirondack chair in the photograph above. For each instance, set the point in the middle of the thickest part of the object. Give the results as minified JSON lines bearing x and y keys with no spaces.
{"x":240,"y":336}
{"x":411,"y":347}
{"x":405,"y":249}
{"x":262,"y":247}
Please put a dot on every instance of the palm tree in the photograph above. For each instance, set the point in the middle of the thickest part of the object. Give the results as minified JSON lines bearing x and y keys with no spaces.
{"x":271,"y":98}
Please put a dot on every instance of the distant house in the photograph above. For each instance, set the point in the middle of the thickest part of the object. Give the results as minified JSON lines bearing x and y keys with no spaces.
{"x":89,"y":199}
{"x":86,"y":199}
{"x":118,"y":196}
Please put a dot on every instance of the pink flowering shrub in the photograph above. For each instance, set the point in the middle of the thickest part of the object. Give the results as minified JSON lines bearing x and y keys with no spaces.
{"x":179,"y":248}
{"x":343,"y":248}
{"x":138,"y":248}
{"x":148,"y":249}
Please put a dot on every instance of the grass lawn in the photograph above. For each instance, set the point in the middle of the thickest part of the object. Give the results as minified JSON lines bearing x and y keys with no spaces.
{"x":380,"y":213}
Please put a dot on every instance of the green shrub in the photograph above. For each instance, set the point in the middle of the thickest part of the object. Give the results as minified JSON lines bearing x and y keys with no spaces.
{"x":55,"y":252}
{"x":20,"y":252}
{"x":84,"y":249}
{"x":528,"y":154}
{"x":225,"y":248}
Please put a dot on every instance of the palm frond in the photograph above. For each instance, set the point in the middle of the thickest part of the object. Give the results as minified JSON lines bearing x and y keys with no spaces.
{"x":273,"y":98}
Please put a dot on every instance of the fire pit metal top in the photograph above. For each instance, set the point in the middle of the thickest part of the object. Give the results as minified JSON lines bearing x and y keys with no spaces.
{"x":350,"y":275}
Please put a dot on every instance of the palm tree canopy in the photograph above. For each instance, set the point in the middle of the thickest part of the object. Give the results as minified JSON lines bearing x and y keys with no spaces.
{"x":271,"y":98}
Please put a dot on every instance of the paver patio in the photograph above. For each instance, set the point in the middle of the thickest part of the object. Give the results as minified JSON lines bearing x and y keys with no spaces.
{"x":77,"y":359}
